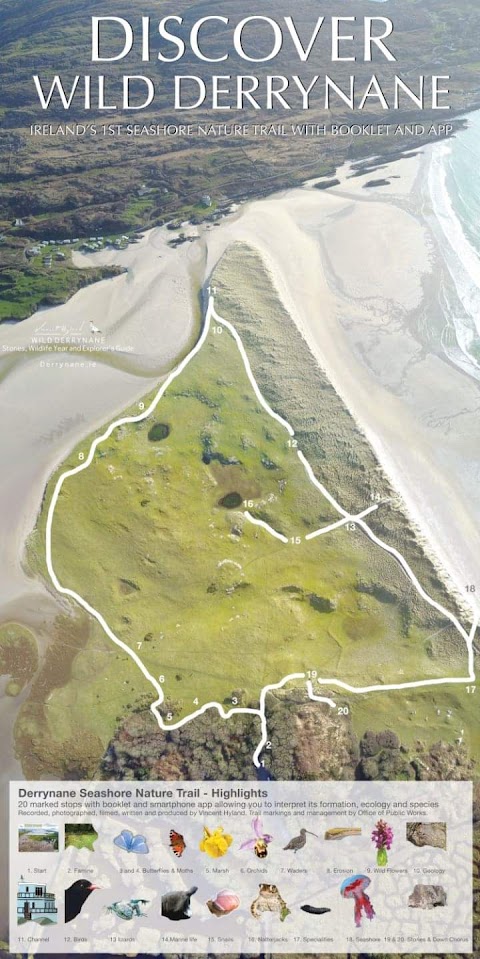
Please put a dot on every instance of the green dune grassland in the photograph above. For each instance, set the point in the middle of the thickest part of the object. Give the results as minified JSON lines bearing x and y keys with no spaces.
{"x":153,"y":535}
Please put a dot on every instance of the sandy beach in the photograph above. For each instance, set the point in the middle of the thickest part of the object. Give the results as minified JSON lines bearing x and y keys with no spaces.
{"x":59,"y":381}
{"x":358,"y":270}
{"x":140,"y":321}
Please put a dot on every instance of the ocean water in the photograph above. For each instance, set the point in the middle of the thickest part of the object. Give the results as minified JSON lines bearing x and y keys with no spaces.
{"x":454,"y":194}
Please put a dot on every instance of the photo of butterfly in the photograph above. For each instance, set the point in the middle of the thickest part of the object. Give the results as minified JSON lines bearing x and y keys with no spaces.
{"x":177,"y":843}
{"x":126,"y":840}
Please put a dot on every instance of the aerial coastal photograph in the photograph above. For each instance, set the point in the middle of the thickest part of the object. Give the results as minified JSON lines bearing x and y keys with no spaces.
{"x":240,"y":497}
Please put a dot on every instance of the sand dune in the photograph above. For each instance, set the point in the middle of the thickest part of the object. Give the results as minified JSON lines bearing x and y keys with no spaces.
{"x":356,"y":268}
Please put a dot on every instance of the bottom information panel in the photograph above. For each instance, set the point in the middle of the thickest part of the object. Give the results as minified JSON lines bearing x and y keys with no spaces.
{"x":226,"y":867}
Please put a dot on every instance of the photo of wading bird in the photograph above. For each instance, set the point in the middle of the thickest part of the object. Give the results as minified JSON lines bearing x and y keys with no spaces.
{"x":298,"y":842}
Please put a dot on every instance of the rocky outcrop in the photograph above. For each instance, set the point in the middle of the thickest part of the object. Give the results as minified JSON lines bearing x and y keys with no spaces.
{"x":427,"y":897}
{"x":427,"y":834}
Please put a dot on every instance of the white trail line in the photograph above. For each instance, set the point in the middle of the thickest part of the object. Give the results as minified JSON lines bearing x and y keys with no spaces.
{"x":341,"y":522}
{"x":346,"y":518}
{"x":260,"y":522}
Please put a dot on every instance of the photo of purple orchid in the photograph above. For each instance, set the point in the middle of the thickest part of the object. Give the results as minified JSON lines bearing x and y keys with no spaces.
{"x":382,"y":837}
{"x":260,"y":840}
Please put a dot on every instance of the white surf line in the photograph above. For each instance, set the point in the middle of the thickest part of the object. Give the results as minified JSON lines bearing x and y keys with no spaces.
{"x":260,"y":522}
{"x":212,"y":314}
{"x":341,"y":522}
{"x":263,"y":696}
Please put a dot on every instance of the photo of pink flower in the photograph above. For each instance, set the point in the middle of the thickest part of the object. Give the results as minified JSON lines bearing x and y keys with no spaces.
{"x":382,"y":836}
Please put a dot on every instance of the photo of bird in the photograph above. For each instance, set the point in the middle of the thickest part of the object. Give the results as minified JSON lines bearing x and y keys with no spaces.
{"x":298,"y":842}
{"x":93,"y":328}
{"x":76,"y":896}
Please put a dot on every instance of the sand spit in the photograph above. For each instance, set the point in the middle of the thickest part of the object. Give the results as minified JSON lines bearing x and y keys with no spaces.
{"x":357,"y":269}
{"x":358,"y":272}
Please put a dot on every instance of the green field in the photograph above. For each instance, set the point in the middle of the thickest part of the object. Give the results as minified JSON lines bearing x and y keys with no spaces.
{"x":153,"y":535}
{"x":24,"y":291}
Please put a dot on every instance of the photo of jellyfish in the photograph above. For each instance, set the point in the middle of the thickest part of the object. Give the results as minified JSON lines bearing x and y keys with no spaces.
{"x":354,"y":888}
